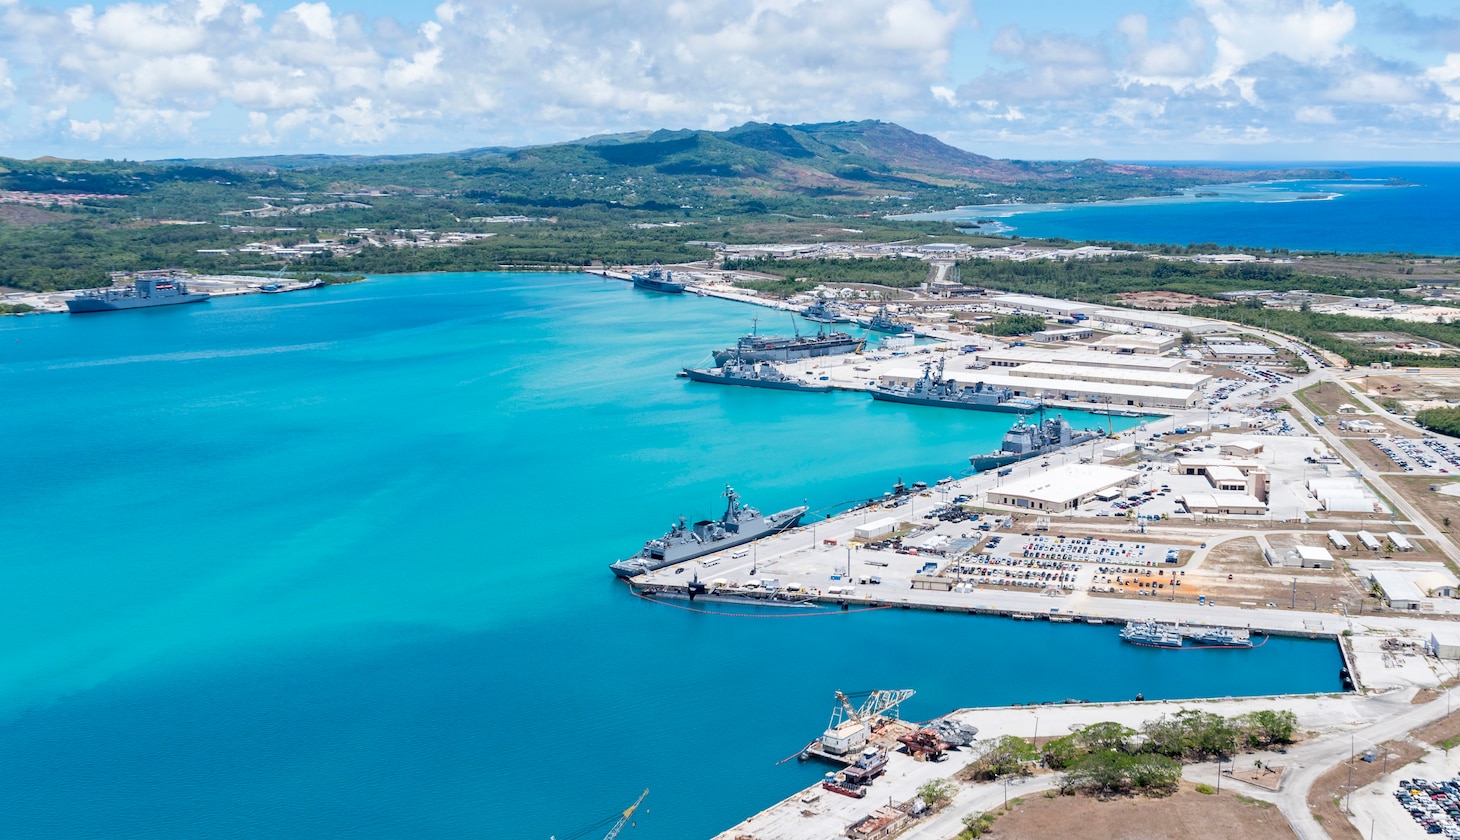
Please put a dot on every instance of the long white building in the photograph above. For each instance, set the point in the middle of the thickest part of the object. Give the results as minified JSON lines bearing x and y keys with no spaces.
{"x":1015,"y":356}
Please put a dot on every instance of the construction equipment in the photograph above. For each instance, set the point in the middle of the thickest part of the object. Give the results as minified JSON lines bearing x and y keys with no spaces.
{"x":851,"y":727}
{"x":624,"y":820}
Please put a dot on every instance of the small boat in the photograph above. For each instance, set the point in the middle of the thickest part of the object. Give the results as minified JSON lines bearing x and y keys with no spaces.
{"x":835,"y":785}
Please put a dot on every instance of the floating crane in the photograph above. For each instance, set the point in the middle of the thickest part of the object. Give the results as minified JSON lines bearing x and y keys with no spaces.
{"x":851,"y":727}
{"x":624,"y":820}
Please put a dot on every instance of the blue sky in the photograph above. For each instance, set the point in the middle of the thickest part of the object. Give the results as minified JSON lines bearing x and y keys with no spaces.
{"x":1235,"y":80}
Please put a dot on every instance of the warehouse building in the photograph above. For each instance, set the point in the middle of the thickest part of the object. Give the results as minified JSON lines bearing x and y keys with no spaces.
{"x":1398,"y":590}
{"x":1066,"y":334}
{"x":1224,"y":504}
{"x":1043,"y":305}
{"x":1060,"y":489}
{"x":1445,"y":644}
{"x":1050,"y":370}
{"x":1153,"y":345}
{"x":1015,"y":356}
{"x":1167,"y":321}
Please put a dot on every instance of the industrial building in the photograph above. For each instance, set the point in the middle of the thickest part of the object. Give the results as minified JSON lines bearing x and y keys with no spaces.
{"x":1342,"y":495}
{"x":1043,"y":305}
{"x":1168,"y":321}
{"x":1067,"y":390}
{"x":1050,"y":370}
{"x":1398,"y":590}
{"x":1061,"y":488}
{"x":1067,"y":334}
{"x":1247,"y":351}
{"x":1015,"y":356}
{"x":1153,"y":345}
{"x":1228,"y":476}
{"x":1224,"y":504}
{"x":1445,"y":644}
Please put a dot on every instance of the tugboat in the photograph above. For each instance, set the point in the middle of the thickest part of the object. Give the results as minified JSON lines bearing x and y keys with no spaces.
{"x":769,"y":348}
{"x":1149,"y":633}
{"x":824,"y":313}
{"x":1028,"y":440}
{"x":753,"y":374}
{"x":835,"y":785}
{"x":934,"y":390}
{"x":883,"y":322}
{"x":656,"y":279}
{"x":738,"y":525}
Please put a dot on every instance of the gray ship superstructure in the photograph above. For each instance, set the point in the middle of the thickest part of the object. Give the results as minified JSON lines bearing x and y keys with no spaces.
{"x":656,"y":279}
{"x":1028,"y":440}
{"x":882,"y":322}
{"x":148,"y":289}
{"x":752,"y":374}
{"x":1150,"y":633}
{"x":738,"y":525}
{"x":823,"y":312}
{"x":933,"y":389}
{"x":772,"y":348}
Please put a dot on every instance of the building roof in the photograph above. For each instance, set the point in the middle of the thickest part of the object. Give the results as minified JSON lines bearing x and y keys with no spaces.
{"x":1314,"y":553}
{"x":1246,"y":348}
{"x":1064,"y":484}
{"x":1055,"y":370}
{"x":1083,"y":356}
{"x":1218,"y":500}
{"x":1163,"y":320}
{"x":1037,"y":302}
{"x":1397,"y":586}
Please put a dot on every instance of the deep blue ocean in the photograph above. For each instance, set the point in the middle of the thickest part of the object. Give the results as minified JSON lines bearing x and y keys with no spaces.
{"x":1408,"y":208}
{"x":333,"y":564}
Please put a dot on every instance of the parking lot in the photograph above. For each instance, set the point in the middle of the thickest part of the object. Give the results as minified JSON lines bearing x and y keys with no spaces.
{"x":1426,"y":456}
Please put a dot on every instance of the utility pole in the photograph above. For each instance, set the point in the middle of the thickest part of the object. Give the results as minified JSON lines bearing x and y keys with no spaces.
{"x":1295,"y":594}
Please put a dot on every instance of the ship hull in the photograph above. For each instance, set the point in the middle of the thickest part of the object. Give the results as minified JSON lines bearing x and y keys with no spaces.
{"x":786,"y":354}
{"x":699,"y":375}
{"x":995,"y":460}
{"x":637,"y":566}
{"x":910,"y":399}
{"x":668,"y":288}
{"x":88,"y":304}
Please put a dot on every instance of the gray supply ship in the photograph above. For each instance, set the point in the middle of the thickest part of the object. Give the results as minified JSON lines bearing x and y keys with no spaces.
{"x":772,"y":348}
{"x":883,"y":322}
{"x":753,"y":374}
{"x":656,"y":279}
{"x":144,"y":292}
{"x":824,"y":313}
{"x":737,"y":526}
{"x":1028,"y":440}
{"x":934,"y":390}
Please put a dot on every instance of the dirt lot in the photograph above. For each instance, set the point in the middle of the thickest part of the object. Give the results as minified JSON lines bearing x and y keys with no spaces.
{"x":1188,"y":814}
{"x":1165,"y":300}
{"x":1434,"y":506}
{"x":1325,"y":799}
{"x":1444,"y":729}
{"x":1253,"y":581}
{"x":1326,"y":397}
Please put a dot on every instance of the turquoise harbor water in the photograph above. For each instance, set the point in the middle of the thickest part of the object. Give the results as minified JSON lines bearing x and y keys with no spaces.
{"x":1368,"y":213}
{"x":333,"y":564}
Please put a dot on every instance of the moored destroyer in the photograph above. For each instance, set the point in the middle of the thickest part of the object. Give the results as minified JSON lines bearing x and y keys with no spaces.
{"x":149,"y":289}
{"x":1028,"y":440}
{"x":882,"y":322}
{"x":824,"y":313}
{"x":656,"y":279}
{"x":1150,"y":633}
{"x":753,"y":374}
{"x":771,"y":348}
{"x":739,"y":524}
{"x":935,"y":390}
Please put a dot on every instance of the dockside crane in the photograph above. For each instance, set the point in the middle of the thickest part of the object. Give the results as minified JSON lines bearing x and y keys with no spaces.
{"x":624,"y":820}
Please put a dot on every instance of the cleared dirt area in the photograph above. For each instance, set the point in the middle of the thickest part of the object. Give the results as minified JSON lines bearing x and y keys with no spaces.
{"x":1443,"y":731}
{"x":1325,"y":800}
{"x":1188,"y":815}
{"x":1434,"y":505}
{"x":1254,"y":582}
{"x":1326,"y":397}
{"x":1166,"y":300}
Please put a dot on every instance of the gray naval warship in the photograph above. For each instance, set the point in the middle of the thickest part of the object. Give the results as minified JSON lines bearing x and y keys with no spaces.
{"x":1029,"y":440}
{"x":145,"y":291}
{"x":933,"y":389}
{"x":737,"y":526}
{"x":738,"y":371}
{"x":823,"y":312}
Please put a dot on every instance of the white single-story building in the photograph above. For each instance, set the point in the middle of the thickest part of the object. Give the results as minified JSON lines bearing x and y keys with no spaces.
{"x":876,"y":528}
{"x":1314,"y":557}
{"x":1060,"y":488}
{"x":1445,"y":644}
{"x":1224,"y":504}
{"x":1398,"y":590}
{"x":1153,"y":345}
